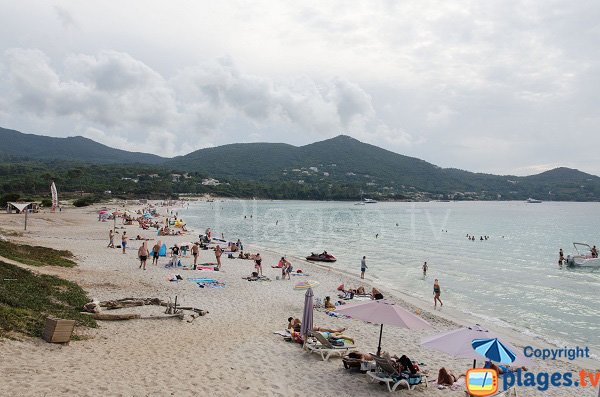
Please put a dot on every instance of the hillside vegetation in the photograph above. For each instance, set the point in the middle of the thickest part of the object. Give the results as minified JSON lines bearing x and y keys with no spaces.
{"x":340,"y":168}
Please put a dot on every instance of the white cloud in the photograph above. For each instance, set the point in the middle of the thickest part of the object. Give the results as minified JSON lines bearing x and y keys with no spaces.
{"x":485,"y":86}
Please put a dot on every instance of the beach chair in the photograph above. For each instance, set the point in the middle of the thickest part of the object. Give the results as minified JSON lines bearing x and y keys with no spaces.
{"x":386,"y":372}
{"x":325,"y":348}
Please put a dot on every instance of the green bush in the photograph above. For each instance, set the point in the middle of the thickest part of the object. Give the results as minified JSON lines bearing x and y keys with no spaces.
{"x":85,"y":201}
{"x":5,"y":198}
{"x":46,"y":203}
{"x":27,"y":299}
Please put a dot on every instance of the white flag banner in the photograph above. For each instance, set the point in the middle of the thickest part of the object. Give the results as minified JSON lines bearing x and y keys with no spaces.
{"x":54,"y":196}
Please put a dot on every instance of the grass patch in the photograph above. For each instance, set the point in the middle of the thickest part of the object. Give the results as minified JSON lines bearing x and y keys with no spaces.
{"x":26,"y":299}
{"x":35,"y":255}
{"x":10,"y":233}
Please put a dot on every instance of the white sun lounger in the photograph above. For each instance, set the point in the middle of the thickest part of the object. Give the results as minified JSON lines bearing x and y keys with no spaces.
{"x":325,"y":348}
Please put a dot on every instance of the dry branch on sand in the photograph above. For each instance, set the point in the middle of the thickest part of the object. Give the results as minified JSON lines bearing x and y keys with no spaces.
{"x":172,"y":310}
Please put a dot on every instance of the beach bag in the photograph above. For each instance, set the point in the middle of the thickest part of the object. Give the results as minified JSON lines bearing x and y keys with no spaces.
{"x":336,"y":342}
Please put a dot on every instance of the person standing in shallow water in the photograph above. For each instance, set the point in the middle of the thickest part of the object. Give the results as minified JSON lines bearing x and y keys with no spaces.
{"x":425,"y":267}
{"x":363,"y":266}
{"x":436,"y":294}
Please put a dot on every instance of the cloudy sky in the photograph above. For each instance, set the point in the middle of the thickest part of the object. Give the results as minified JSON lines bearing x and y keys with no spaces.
{"x":491,"y":86}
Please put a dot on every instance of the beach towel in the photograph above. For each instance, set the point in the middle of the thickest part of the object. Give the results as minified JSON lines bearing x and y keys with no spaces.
{"x":202,"y":280}
{"x":205,"y":268}
{"x":285,"y":333}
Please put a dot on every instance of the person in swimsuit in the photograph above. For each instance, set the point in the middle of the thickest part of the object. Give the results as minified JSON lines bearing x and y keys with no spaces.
{"x":195,"y":252}
{"x":143,"y":255}
{"x":111,"y":239}
{"x":376,"y":294}
{"x":363,"y":266}
{"x":218,"y":253}
{"x":436,"y":294}
{"x":447,"y":378}
{"x":561,"y":257}
{"x":155,"y":251}
{"x":258,"y":263}
{"x":124,"y":241}
{"x":425,"y":267}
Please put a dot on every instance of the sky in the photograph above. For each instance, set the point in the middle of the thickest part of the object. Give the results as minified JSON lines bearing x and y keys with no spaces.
{"x":505,"y":87}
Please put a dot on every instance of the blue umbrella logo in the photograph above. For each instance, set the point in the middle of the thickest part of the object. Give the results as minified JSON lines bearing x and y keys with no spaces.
{"x":494,"y":350}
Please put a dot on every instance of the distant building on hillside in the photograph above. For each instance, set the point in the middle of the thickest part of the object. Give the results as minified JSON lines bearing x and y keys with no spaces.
{"x":315,"y":169}
{"x":210,"y":182}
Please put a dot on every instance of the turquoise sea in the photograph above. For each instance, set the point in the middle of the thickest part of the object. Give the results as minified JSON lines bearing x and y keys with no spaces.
{"x":512,"y":278}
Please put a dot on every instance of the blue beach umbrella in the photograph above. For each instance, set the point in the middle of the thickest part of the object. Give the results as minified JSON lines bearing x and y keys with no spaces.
{"x":494,"y":350}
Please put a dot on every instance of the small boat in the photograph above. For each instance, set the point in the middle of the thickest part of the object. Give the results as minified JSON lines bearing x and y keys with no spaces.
{"x":324,"y":257}
{"x":533,"y":201}
{"x":369,"y":201}
{"x":359,"y":203}
{"x":585,"y":256}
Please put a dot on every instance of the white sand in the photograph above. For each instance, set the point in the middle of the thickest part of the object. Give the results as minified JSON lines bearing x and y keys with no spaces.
{"x":230,"y":351}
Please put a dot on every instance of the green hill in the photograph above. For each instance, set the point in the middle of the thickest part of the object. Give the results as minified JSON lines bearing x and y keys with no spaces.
{"x":16,"y":145}
{"x":336,"y":168}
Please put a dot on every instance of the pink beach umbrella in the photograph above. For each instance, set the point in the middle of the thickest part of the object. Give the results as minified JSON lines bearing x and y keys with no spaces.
{"x":457,"y":343}
{"x":383,"y":312}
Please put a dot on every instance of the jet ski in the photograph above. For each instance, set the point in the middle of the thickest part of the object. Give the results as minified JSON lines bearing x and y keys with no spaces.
{"x":324,"y":257}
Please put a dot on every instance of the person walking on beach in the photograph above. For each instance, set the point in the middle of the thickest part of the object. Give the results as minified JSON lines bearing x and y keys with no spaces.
{"x":111,"y":239}
{"x":436,"y":294}
{"x":363,"y":266}
{"x":143,"y":255}
{"x":425,"y":267}
{"x":218,"y":253}
{"x":195,"y":252}
{"x":124,"y":241}
{"x":258,"y":263}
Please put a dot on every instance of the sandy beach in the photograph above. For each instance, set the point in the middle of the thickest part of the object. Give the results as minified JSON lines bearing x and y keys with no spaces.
{"x":231,"y":351}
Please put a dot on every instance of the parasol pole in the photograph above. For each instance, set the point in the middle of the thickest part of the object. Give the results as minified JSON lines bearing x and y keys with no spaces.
{"x":379,"y":346}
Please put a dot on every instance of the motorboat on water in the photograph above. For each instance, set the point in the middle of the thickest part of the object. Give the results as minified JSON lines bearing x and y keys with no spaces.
{"x":369,"y":201}
{"x":359,"y":203}
{"x":533,"y":201}
{"x":586,"y":256}
{"x":324,"y":257}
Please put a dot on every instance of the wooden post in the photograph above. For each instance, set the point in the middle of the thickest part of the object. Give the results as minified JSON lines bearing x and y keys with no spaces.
{"x":26,"y":211}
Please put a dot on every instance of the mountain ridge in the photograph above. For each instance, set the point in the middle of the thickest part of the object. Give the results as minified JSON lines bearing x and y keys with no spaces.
{"x":341,"y":164}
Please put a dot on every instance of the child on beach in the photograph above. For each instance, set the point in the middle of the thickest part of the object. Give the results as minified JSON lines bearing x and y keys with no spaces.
{"x":436,"y":294}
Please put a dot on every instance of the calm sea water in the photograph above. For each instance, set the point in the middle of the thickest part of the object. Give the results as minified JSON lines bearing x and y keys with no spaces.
{"x":511,"y":278}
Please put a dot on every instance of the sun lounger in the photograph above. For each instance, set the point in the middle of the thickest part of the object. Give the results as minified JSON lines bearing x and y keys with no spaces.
{"x":325,"y":348}
{"x":387,"y":373}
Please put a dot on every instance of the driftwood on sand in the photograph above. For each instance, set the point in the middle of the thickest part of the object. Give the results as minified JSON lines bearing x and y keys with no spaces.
{"x":172,"y":310}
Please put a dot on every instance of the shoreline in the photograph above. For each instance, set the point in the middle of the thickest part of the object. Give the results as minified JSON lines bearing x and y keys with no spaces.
{"x":237,"y":333}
